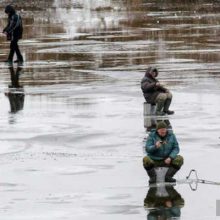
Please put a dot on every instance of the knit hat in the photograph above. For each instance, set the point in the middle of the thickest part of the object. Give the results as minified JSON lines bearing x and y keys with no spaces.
{"x":160,"y":125}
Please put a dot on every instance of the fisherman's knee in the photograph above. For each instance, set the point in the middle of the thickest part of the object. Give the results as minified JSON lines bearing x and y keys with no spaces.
{"x":148,"y":162}
{"x":161,"y":97}
{"x":178,"y":161}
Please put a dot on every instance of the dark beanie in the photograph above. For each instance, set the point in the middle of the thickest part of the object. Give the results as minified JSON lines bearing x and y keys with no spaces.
{"x":160,"y":125}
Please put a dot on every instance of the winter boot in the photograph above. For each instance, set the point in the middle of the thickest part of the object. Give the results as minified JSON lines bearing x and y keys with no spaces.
{"x":169,"y":112}
{"x":169,"y":175}
{"x":160,"y":113}
{"x":166,"y":107}
{"x":152,"y":174}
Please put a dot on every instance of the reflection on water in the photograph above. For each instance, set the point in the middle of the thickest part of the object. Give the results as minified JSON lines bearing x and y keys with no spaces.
{"x":15,"y":91}
{"x":181,"y":39}
{"x":163,"y":203}
{"x":150,"y":123}
{"x":90,"y":15}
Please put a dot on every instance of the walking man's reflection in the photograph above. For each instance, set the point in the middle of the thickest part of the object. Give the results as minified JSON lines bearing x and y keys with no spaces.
{"x":163,"y":203}
{"x":15,"y":90}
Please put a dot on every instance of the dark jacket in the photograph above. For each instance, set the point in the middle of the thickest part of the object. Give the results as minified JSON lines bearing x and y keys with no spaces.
{"x":14,"y":28}
{"x":169,"y":148}
{"x":149,"y":88}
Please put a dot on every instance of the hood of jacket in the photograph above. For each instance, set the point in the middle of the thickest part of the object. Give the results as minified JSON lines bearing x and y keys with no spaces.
{"x":149,"y":71}
{"x":9,"y":9}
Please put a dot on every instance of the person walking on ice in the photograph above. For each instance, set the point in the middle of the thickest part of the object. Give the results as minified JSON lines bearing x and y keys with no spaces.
{"x":13,"y":31}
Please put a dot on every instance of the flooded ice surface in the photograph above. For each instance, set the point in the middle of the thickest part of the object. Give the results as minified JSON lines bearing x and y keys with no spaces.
{"x":74,"y":149}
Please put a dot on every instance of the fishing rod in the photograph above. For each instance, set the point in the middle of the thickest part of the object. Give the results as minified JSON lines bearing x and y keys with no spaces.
{"x":197,"y":180}
{"x":192,"y":179}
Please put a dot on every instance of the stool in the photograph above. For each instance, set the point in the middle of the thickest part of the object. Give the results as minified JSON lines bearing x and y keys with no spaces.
{"x":149,"y":109}
{"x":160,"y":173}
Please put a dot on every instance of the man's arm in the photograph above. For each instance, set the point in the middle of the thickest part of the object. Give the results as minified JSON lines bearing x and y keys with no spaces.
{"x":12,"y":24}
{"x":148,"y":87}
{"x":175,"y":149}
{"x":150,"y":146}
{"x":4,"y":30}
{"x":161,"y":88}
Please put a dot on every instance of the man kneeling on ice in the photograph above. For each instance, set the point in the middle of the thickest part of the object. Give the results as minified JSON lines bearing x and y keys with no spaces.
{"x":162,"y":149}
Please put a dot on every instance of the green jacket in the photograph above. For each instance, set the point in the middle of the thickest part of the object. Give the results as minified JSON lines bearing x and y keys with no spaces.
{"x":169,"y":149}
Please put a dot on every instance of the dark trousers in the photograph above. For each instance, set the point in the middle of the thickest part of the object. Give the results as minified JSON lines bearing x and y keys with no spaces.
{"x":149,"y":163}
{"x":15,"y":49}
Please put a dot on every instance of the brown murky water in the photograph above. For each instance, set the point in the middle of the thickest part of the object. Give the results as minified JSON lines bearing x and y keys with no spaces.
{"x":72,"y":133}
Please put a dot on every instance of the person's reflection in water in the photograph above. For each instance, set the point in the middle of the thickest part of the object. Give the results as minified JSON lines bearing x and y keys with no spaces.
{"x":15,"y":92}
{"x":163,"y":203}
{"x":151,"y":123}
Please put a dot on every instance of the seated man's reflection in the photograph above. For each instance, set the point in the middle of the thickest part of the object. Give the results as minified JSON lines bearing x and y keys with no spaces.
{"x":15,"y":91}
{"x":163,"y":203}
{"x":151,"y":123}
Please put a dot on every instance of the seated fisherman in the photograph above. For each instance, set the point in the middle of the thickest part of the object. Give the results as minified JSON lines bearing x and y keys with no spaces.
{"x":155,"y":93}
{"x":162,"y":150}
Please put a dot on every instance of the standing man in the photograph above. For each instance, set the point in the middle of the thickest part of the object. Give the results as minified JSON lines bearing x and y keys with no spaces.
{"x":162,"y":151}
{"x":13,"y":31}
{"x":155,"y":93}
